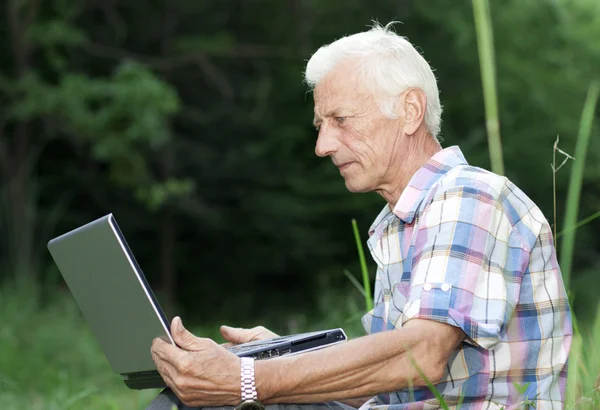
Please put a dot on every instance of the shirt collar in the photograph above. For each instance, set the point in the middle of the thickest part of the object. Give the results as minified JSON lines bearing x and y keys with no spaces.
{"x":413,"y":195}
{"x":417,"y":188}
{"x":378,"y":223}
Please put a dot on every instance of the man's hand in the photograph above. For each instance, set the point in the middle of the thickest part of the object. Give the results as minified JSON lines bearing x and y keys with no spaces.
{"x":238,"y":335}
{"x":199,"y":371}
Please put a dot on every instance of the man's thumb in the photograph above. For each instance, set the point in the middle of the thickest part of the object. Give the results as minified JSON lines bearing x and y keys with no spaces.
{"x":182,"y":336}
{"x":234,"y":335}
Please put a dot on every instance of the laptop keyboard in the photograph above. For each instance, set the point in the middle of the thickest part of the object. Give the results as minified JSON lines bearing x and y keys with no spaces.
{"x":258,"y":344}
{"x":236,"y":349}
{"x":262,"y":354}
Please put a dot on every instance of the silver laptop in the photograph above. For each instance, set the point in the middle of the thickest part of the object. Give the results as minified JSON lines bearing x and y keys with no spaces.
{"x":122,"y":312}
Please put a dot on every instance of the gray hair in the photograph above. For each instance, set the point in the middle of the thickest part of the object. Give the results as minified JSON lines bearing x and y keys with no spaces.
{"x":389,"y":65}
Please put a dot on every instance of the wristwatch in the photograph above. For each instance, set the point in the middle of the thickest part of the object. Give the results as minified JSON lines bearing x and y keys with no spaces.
{"x":249,"y":395}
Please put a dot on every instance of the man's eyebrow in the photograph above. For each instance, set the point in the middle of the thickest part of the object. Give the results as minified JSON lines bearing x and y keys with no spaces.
{"x":332,"y":113}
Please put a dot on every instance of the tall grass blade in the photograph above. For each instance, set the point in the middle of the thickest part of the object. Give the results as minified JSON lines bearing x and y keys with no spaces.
{"x":76,"y":398}
{"x":354,"y":318}
{"x":363,"y":267}
{"x":461,"y":399}
{"x":485,"y":46}
{"x":430,"y":385}
{"x":355,"y":282}
{"x":583,"y":137}
{"x":579,"y":224}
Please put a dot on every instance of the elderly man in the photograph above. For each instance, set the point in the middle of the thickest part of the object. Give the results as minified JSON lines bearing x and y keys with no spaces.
{"x":468,"y":292}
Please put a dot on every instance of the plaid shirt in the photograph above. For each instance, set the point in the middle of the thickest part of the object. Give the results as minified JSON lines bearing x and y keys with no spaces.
{"x":466,"y":247}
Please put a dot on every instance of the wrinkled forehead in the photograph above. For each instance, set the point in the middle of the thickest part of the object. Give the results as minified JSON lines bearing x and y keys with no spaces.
{"x":342,"y":84}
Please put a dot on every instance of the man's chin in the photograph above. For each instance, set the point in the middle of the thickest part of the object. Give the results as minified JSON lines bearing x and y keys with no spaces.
{"x":356,"y":187}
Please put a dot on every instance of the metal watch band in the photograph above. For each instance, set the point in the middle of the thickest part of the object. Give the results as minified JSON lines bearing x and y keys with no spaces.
{"x":248,"y":384}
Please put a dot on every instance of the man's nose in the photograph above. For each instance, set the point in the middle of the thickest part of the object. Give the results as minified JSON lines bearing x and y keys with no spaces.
{"x":327,"y":142}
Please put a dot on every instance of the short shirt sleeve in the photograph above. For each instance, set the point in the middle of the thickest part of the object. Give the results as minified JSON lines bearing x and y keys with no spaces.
{"x":467,"y":265}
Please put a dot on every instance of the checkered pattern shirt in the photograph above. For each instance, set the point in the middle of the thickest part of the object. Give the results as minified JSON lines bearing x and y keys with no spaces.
{"x":466,"y":247}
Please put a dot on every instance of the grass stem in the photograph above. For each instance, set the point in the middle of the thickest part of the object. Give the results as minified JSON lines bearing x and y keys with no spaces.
{"x":363,"y":267}
{"x":581,"y":146}
{"x":485,"y":46}
{"x":584,"y":221}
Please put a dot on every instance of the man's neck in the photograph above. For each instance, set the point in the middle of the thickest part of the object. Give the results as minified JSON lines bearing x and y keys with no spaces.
{"x":419,"y":157}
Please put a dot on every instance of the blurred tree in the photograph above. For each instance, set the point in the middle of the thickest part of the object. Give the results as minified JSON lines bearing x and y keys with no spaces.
{"x":112,"y":121}
{"x":189,"y":120}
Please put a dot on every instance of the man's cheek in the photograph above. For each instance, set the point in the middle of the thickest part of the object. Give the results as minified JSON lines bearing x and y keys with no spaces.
{"x":359,"y":131}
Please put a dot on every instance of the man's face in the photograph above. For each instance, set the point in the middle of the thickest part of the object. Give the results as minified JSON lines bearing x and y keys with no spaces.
{"x":362,"y":142}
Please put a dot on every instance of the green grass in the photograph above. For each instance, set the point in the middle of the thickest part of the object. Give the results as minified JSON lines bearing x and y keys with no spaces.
{"x":49,"y":360}
{"x":583,"y":385}
{"x":363,"y":267}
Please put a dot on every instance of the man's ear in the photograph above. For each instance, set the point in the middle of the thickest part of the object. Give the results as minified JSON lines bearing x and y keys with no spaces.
{"x":415,"y":104}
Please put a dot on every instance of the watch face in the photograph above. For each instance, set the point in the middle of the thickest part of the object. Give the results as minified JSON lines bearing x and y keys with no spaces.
{"x":250,"y":405}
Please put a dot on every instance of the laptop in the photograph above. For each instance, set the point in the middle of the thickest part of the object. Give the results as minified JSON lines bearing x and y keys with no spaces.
{"x":122,"y":312}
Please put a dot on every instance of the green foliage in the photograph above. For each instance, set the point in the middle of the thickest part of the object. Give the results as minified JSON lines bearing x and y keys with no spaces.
{"x":49,"y":360}
{"x":56,"y":33}
{"x":585,"y":129}
{"x":194,"y":112}
{"x":114,"y":114}
{"x":155,"y":195}
{"x":583,"y":384}
{"x":216,"y":43}
{"x":201,"y":111}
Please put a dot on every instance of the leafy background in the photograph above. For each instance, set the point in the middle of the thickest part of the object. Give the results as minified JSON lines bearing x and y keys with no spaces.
{"x":189,"y":121}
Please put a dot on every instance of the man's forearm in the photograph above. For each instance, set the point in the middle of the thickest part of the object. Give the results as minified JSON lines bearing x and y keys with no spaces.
{"x":373,"y":364}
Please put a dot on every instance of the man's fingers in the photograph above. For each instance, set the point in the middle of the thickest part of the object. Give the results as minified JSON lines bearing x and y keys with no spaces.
{"x":262,"y":332}
{"x":238,"y":335}
{"x":165,"y":367}
{"x":234,"y":335}
{"x":166,"y":351}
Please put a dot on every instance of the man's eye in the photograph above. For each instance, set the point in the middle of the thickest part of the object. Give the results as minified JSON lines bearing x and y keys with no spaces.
{"x":340,"y":120}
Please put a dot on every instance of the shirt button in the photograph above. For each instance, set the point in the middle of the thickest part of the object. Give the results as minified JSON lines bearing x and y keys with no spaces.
{"x":446,"y":287}
{"x":427,"y":287}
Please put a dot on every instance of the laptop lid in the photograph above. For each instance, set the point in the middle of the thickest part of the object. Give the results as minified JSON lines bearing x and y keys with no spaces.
{"x":112,"y":293}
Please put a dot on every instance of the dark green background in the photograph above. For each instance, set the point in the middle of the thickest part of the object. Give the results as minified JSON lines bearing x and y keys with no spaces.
{"x":189,"y":120}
